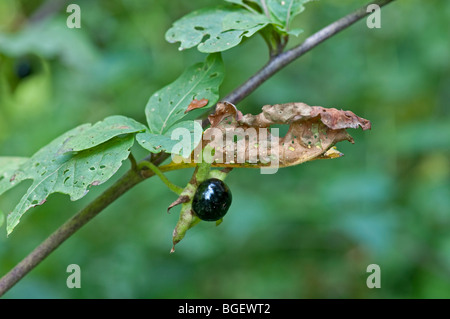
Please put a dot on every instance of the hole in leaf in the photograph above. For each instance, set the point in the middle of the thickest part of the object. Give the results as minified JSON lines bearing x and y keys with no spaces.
{"x":102,"y":166}
{"x":67,"y":178}
{"x":43,"y":173}
{"x":37,"y":164}
{"x":35,"y":202}
{"x":2,"y":178}
{"x":92,"y":168}
{"x":199,"y":28}
{"x":65,"y":172}
{"x":205,"y":38}
{"x":215,"y":74}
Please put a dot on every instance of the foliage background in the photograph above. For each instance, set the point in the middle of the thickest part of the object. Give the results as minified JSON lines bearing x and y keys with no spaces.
{"x":306,"y":232}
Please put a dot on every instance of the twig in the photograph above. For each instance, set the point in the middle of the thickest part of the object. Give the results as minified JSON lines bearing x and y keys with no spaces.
{"x":132,"y":178}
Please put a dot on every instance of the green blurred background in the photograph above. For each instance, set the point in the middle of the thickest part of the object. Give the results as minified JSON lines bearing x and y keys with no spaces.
{"x":306,"y":232}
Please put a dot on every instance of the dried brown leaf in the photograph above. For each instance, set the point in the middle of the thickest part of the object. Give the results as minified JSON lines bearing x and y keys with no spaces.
{"x":196,"y":104}
{"x":224,"y":112}
{"x":312,"y":133}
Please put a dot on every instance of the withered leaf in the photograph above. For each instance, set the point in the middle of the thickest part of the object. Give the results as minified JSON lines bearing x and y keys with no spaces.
{"x":196,"y":104}
{"x":224,"y":110}
{"x":247,"y":141}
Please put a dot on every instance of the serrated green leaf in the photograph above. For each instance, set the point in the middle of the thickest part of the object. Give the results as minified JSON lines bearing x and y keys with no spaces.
{"x":53,"y":171}
{"x":156,"y":143}
{"x":102,"y":132}
{"x":200,"y":81}
{"x":204,"y":28}
{"x":9,"y":177}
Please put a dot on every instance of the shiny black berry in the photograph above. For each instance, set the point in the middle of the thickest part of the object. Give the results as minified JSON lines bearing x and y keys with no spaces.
{"x":211,"y":200}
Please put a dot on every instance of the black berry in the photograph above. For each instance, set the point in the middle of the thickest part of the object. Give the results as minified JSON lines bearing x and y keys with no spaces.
{"x":211,"y":200}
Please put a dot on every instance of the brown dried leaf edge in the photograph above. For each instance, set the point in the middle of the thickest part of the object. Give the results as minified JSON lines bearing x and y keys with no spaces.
{"x":313,"y":131}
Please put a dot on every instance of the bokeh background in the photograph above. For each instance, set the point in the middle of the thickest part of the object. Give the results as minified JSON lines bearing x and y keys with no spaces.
{"x":306,"y":232}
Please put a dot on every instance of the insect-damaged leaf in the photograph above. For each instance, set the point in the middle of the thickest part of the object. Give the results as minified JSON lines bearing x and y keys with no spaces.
{"x":312,"y":133}
{"x":55,"y":171}
{"x":9,"y":176}
{"x":200,"y":81}
{"x":215,"y":29}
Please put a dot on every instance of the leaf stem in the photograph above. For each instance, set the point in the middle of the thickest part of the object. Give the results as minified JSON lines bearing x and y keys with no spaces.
{"x":174,"y":188}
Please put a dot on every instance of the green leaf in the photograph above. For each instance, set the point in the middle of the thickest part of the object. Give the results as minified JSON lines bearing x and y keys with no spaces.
{"x":295,"y":32}
{"x":284,"y":11}
{"x":244,"y":21}
{"x":204,"y":28}
{"x":2,"y":218}
{"x":245,"y":5}
{"x":200,"y":81}
{"x":9,"y":176}
{"x":102,"y":131}
{"x":281,"y":12}
{"x":55,"y":171}
{"x":156,"y":143}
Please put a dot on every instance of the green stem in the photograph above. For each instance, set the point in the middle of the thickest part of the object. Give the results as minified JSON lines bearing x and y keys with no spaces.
{"x":174,"y":188}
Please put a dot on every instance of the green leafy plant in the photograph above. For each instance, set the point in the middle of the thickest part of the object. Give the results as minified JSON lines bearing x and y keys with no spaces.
{"x":89,"y":155}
